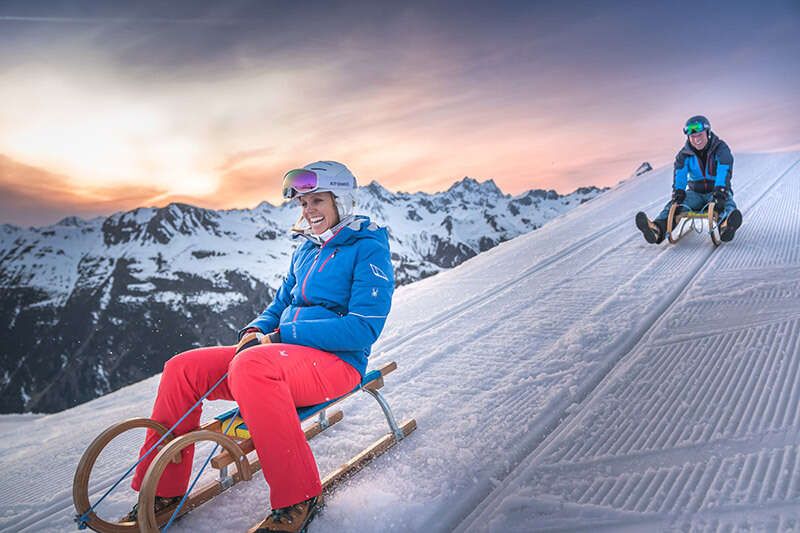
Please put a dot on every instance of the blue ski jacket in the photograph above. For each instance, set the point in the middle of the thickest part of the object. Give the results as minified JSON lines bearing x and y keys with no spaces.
{"x":702,"y":176}
{"x":336,"y":296}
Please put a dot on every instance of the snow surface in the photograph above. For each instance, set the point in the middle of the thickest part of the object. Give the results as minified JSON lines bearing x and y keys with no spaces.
{"x":574,"y":378}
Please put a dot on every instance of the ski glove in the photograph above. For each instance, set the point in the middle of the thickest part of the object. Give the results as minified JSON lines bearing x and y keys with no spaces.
{"x":254,"y":337}
{"x":720,"y":197}
{"x":678,"y":196}
{"x":245,"y":331}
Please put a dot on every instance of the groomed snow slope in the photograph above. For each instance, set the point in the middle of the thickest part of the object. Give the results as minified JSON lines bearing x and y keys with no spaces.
{"x":697,"y":428}
{"x":574,"y":377}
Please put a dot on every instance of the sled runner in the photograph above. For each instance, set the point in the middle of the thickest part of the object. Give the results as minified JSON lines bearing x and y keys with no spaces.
{"x":689,"y":221}
{"x":228,"y":431}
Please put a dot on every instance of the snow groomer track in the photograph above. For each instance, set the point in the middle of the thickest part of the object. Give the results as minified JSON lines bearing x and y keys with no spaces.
{"x":574,"y":378}
{"x":698,"y":427}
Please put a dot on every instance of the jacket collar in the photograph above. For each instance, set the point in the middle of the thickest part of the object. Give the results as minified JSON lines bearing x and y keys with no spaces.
{"x":330,"y":233}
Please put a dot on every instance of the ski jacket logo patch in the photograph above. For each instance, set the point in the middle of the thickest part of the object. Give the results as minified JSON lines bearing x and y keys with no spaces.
{"x":378,"y":272}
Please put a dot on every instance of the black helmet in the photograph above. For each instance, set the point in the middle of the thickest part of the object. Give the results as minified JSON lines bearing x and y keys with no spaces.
{"x":696,"y":124}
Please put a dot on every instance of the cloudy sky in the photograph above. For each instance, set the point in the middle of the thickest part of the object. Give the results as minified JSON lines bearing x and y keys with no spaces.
{"x":114,"y":105}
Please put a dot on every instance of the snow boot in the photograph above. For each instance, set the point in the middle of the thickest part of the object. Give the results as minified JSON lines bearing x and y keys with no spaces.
{"x":160,"y":505}
{"x":653,"y":231}
{"x":292,"y":519}
{"x":729,"y":226}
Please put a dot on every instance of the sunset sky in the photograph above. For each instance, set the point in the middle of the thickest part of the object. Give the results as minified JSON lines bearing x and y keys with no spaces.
{"x":106,"y":106}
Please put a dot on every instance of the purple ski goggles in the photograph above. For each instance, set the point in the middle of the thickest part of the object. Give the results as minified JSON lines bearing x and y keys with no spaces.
{"x":299,"y":181}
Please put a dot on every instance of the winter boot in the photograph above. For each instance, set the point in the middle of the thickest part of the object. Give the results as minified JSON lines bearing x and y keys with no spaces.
{"x":161,"y":504}
{"x":653,"y":231}
{"x":729,"y":226}
{"x":292,"y":519}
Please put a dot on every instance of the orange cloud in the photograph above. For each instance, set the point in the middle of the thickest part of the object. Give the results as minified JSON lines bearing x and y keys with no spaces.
{"x":31,"y":195}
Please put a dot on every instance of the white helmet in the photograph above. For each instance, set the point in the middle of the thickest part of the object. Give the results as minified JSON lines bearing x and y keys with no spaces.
{"x":324,"y":176}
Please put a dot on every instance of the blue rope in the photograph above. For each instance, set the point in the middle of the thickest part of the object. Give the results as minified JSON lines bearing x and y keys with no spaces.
{"x":84,"y":518}
{"x":197,"y":477}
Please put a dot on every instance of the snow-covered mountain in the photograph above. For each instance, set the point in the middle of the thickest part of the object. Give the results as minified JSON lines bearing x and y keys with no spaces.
{"x":575,"y":378}
{"x":90,"y":306}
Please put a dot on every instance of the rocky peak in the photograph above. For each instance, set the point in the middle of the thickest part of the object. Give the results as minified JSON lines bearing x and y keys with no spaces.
{"x":588,"y":190}
{"x":125,"y":226}
{"x":72,"y":221}
{"x":378,"y":191}
{"x":644,"y":167}
{"x":471,"y":185}
{"x":183,"y":219}
{"x":471,"y":191}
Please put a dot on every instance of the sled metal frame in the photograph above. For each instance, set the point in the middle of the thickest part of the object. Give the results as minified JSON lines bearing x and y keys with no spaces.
{"x":235,"y":451}
{"x":694,"y":221}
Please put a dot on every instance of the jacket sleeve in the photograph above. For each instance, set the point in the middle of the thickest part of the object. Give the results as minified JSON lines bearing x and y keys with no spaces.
{"x":270,"y":317}
{"x":370,"y":301}
{"x":724,"y":166}
{"x":680,"y":175}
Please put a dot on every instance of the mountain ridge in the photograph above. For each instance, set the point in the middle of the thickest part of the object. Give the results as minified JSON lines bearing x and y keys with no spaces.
{"x":118,"y":295}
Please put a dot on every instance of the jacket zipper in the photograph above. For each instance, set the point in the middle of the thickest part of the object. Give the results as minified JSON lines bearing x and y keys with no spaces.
{"x":305,"y":280}
{"x":313,"y":266}
{"x":328,"y":259}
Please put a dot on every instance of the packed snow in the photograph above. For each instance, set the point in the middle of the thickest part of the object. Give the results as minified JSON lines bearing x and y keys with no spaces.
{"x":574,"y":378}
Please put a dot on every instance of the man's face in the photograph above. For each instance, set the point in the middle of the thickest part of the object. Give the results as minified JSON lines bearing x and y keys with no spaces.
{"x":699,"y":140}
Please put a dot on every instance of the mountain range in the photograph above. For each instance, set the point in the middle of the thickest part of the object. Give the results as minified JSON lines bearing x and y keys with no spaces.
{"x":89,"y":306}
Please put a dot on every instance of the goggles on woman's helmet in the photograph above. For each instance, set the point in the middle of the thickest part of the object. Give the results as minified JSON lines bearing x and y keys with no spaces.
{"x":299,"y":181}
{"x":303,"y":181}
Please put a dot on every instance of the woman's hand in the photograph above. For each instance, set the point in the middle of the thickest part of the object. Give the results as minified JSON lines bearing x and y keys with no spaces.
{"x":255,"y":337}
{"x":248,"y":340}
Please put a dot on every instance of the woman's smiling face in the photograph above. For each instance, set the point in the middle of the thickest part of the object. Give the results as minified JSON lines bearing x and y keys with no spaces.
{"x":319,"y":210}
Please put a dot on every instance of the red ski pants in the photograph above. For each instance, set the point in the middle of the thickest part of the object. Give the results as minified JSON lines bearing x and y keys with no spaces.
{"x":268,"y":382}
